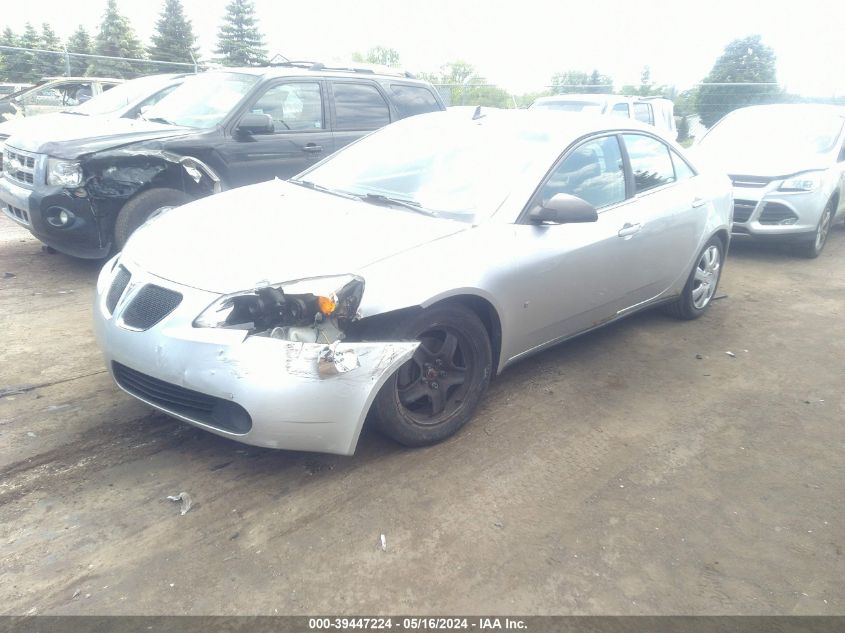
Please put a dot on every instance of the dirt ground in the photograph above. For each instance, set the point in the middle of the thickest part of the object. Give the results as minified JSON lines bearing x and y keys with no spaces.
{"x":616,"y":474}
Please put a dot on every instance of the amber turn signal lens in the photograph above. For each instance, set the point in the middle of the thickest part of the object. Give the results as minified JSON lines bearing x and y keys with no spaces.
{"x":326,"y":305}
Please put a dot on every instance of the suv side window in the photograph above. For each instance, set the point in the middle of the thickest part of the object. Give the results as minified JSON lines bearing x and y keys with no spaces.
{"x":642,"y":112}
{"x":592,"y":171}
{"x":621,"y":109}
{"x":411,"y":100}
{"x":650,"y":162}
{"x":359,"y":107}
{"x":292,"y":106}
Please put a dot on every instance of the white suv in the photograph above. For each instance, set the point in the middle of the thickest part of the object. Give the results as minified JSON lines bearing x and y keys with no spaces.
{"x":655,"y":111}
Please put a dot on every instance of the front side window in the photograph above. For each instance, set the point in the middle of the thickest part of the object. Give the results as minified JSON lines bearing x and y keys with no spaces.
{"x":642,"y":112}
{"x":292,"y":106}
{"x":359,"y":107}
{"x":650,"y":162}
{"x":593,"y":171}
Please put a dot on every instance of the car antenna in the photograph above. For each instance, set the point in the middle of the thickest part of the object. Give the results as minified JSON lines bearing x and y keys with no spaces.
{"x":477,"y":114}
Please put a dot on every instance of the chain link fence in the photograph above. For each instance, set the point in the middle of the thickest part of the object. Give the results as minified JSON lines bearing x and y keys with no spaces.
{"x":28,"y":65}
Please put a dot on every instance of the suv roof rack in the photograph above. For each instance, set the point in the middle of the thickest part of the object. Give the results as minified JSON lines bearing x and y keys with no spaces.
{"x":369,"y":69}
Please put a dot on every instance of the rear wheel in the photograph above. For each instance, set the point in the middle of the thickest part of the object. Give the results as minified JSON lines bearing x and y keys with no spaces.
{"x":436,"y":392}
{"x":141,"y":208}
{"x":702,"y":283}
{"x":814,"y":247}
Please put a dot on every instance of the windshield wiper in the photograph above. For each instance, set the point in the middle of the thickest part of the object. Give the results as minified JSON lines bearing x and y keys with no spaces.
{"x":316,"y":187}
{"x":388,"y":201}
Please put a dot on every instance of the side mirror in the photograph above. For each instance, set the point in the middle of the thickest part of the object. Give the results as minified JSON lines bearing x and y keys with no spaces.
{"x":252,"y":123}
{"x":563,"y":208}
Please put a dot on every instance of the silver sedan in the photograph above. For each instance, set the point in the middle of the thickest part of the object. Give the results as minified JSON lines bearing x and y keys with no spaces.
{"x":396,"y":277}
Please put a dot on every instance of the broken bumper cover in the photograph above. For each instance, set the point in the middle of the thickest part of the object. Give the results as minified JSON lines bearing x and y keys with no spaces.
{"x":253,"y":389}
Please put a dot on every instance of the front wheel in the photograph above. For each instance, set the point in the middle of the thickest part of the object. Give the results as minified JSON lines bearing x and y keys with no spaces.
{"x":702,"y":283}
{"x":436,"y":392}
{"x":814,"y":247}
{"x":141,"y":208}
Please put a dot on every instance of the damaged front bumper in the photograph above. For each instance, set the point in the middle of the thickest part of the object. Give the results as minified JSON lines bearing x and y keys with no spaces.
{"x":253,"y":389}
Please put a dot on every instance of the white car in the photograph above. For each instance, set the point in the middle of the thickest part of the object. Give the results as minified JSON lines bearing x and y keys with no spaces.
{"x":787,"y":164}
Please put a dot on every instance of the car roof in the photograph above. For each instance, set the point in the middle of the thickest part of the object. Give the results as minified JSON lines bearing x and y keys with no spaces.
{"x":299,"y":69}
{"x":809,"y":109}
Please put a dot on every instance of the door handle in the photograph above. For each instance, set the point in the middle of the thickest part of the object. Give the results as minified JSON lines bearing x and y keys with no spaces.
{"x":629,"y":229}
{"x":312,"y":148}
{"x":698,"y":202}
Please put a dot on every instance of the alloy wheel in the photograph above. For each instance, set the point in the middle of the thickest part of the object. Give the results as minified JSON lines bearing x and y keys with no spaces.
{"x":433,"y":383}
{"x":706,"y":276}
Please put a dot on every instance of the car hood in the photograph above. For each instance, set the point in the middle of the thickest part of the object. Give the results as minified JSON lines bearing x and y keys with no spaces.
{"x":759,"y":161}
{"x":72,"y":136}
{"x":275,"y":232}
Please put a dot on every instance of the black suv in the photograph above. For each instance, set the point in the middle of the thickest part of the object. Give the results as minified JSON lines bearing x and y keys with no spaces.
{"x":83,"y":189}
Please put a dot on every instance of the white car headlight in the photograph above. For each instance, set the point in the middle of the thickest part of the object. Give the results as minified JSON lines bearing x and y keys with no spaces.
{"x":808,"y":181}
{"x":64,"y":173}
{"x":295,"y":303}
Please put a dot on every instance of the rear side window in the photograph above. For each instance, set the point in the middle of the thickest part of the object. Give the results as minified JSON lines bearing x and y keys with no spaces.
{"x":359,"y":107}
{"x":593,"y":171}
{"x":411,"y":100}
{"x":650,"y":162}
{"x":621,"y":109}
{"x":642,"y":112}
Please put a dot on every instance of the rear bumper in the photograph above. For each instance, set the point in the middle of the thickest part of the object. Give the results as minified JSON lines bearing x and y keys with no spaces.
{"x":82,"y":237}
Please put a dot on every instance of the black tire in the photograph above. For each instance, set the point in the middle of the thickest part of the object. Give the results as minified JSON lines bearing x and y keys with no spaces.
{"x":139,"y":209}
{"x":687,"y":306}
{"x":814,"y":247}
{"x":454,"y":351}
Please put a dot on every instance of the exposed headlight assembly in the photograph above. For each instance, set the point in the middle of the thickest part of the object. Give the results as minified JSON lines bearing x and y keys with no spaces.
{"x":808,"y":181}
{"x":64,"y":173}
{"x":303,"y":303}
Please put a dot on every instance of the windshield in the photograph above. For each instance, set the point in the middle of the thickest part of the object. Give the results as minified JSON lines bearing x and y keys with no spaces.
{"x":450,"y":166}
{"x":202,"y":101}
{"x":571,"y":106}
{"x":121,"y":96}
{"x":778,"y":130}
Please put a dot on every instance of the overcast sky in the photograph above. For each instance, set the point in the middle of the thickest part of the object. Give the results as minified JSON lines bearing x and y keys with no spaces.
{"x":518,"y":44}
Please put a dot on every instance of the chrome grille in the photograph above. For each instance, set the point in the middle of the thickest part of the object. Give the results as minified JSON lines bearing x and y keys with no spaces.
{"x":750,"y":181}
{"x":21,"y":215}
{"x":121,"y":280}
{"x":149,"y":306}
{"x":743,"y":210}
{"x":20,"y":166}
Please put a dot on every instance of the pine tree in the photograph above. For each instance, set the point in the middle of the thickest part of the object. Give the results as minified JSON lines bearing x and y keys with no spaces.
{"x":79,"y":42}
{"x":7,"y":58}
{"x":25,"y":65}
{"x":116,"y":38}
{"x":50,"y":65}
{"x":239,"y":41}
{"x":174,"y":39}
